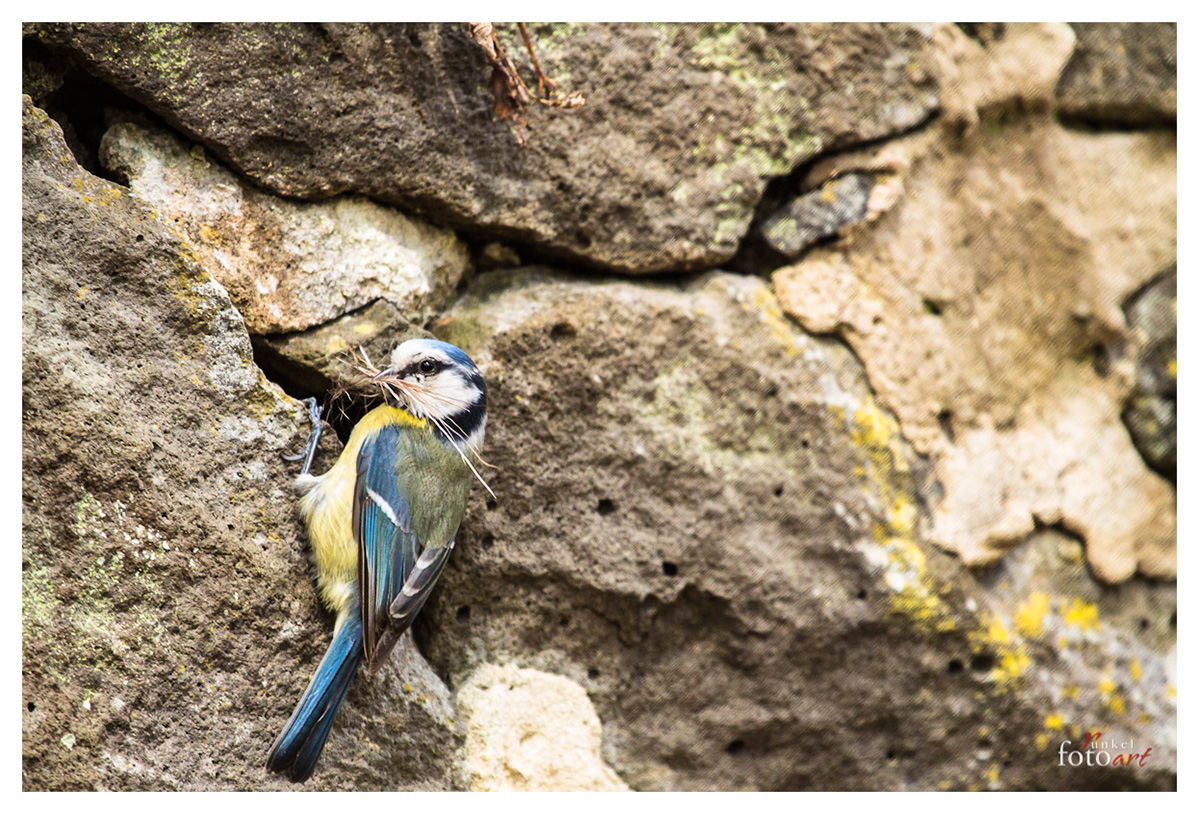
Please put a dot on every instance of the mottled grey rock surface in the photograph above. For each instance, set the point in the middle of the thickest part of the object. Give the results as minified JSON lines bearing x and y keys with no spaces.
{"x":704,"y":518}
{"x":168,"y":620}
{"x":659,"y":170}
{"x":288,"y":266}
{"x":1150,"y":412}
{"x":1121,"y":73}
{"x":818,"y":214}
{"x":713,"y":559}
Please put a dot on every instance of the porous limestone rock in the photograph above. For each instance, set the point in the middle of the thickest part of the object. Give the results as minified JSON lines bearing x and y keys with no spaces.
{"x":992,"y":267}
{"x":288,"y":265}
{"x":1015,"y":62}
{"x":529,"y":730}
{"x":703,"y":517}
{"x":169,"y":621}
{"x":659,"y":170}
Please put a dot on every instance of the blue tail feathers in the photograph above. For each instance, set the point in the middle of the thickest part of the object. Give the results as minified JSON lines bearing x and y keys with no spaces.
{"x":298,"y":747}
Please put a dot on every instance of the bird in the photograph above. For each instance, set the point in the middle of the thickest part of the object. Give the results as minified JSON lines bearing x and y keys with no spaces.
{"x":382,"y":523}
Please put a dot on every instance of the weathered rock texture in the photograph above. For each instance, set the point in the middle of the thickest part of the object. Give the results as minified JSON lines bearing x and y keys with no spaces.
{"x":1150,"y":412}
{"x":1121,"y":73}
{"x":168,"y":620}
{"x":1012,"y":63}
{"x":659,"y":170}
{"x":728,"y":550}
{"x":288,"y":266}
{"x":531,"y":731}
{"x":819,"y":214}
{"x":994,"y":264}
{"x":703,"y":517}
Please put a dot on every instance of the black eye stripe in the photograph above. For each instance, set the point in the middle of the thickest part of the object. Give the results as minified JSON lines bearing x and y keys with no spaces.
{"x":427,"y":367}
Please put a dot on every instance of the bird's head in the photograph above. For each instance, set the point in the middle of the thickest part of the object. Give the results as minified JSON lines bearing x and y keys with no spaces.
{"x":438,"y":382}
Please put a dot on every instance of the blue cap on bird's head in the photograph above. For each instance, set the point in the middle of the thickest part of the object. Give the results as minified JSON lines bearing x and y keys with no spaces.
{"x":438,"y":382}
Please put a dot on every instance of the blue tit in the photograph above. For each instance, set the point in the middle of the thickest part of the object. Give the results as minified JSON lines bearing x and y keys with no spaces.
{"x":382,"y":523}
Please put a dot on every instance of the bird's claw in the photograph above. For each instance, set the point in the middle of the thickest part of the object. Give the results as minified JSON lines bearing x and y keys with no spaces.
{"x":310,"y":447}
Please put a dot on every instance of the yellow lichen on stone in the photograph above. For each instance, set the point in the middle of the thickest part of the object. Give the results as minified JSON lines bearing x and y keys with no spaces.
{"x":772,"y":315}
{"x":1030,"y":616}
{"x":1012,"y":660}
{"x":1054,"y":721}
{"x":1012,"y":665}
{"x":1081,"y":614}
{"x":912,"y":595}
{"x":902,"y":517}
{"x":998,"y":632}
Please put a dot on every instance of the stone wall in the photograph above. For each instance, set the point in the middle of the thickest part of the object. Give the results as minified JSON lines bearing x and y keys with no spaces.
{"x":832,"y":400}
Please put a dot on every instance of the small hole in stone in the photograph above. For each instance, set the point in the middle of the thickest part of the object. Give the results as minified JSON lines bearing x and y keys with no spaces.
{"x":463,"y":614}
{"x":734,"y":747}
{"x":563,"y":622}
{"x":891,"y":755}
{"x":1143,"y":624}
{"x":931,"y":307}
{"x":804,"y":443}
{"x":140,"y":238}
{"x":945,"y":420}
{"x":593,"y":673}
{"x":982,"y":662}
{"x":779,"y":491}
{"x":491,"y":505}
{"x":605,"y":507}
{"x":955,"y":666}
{"x":669,"y":568}
{"x":31,"y":707}
{"x":877,"y":320}
{"x":862,"y":594}
{"x":1171,"y":622}
{"x":562,"y":331}
{"x":487,"y":541}
{"x":771,"y":392}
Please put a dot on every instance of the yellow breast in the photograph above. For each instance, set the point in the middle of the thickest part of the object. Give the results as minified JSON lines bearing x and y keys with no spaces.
{"x":327,"y":507}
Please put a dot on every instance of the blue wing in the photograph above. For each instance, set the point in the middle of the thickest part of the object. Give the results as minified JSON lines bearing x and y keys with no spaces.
{"x":387,"y":546}
{"x":409,"y":600}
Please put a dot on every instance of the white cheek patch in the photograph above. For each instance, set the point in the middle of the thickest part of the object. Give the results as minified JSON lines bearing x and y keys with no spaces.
{"x":446,"y":394}
{"x":475,"y":440}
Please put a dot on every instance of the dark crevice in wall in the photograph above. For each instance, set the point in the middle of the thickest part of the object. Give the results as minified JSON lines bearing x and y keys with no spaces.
{"x":302,"y":382}
{"x":82,"y":105}
{"x":984,"y":33}
{"x":1116,"y":124}
{"x":754,"y":255}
